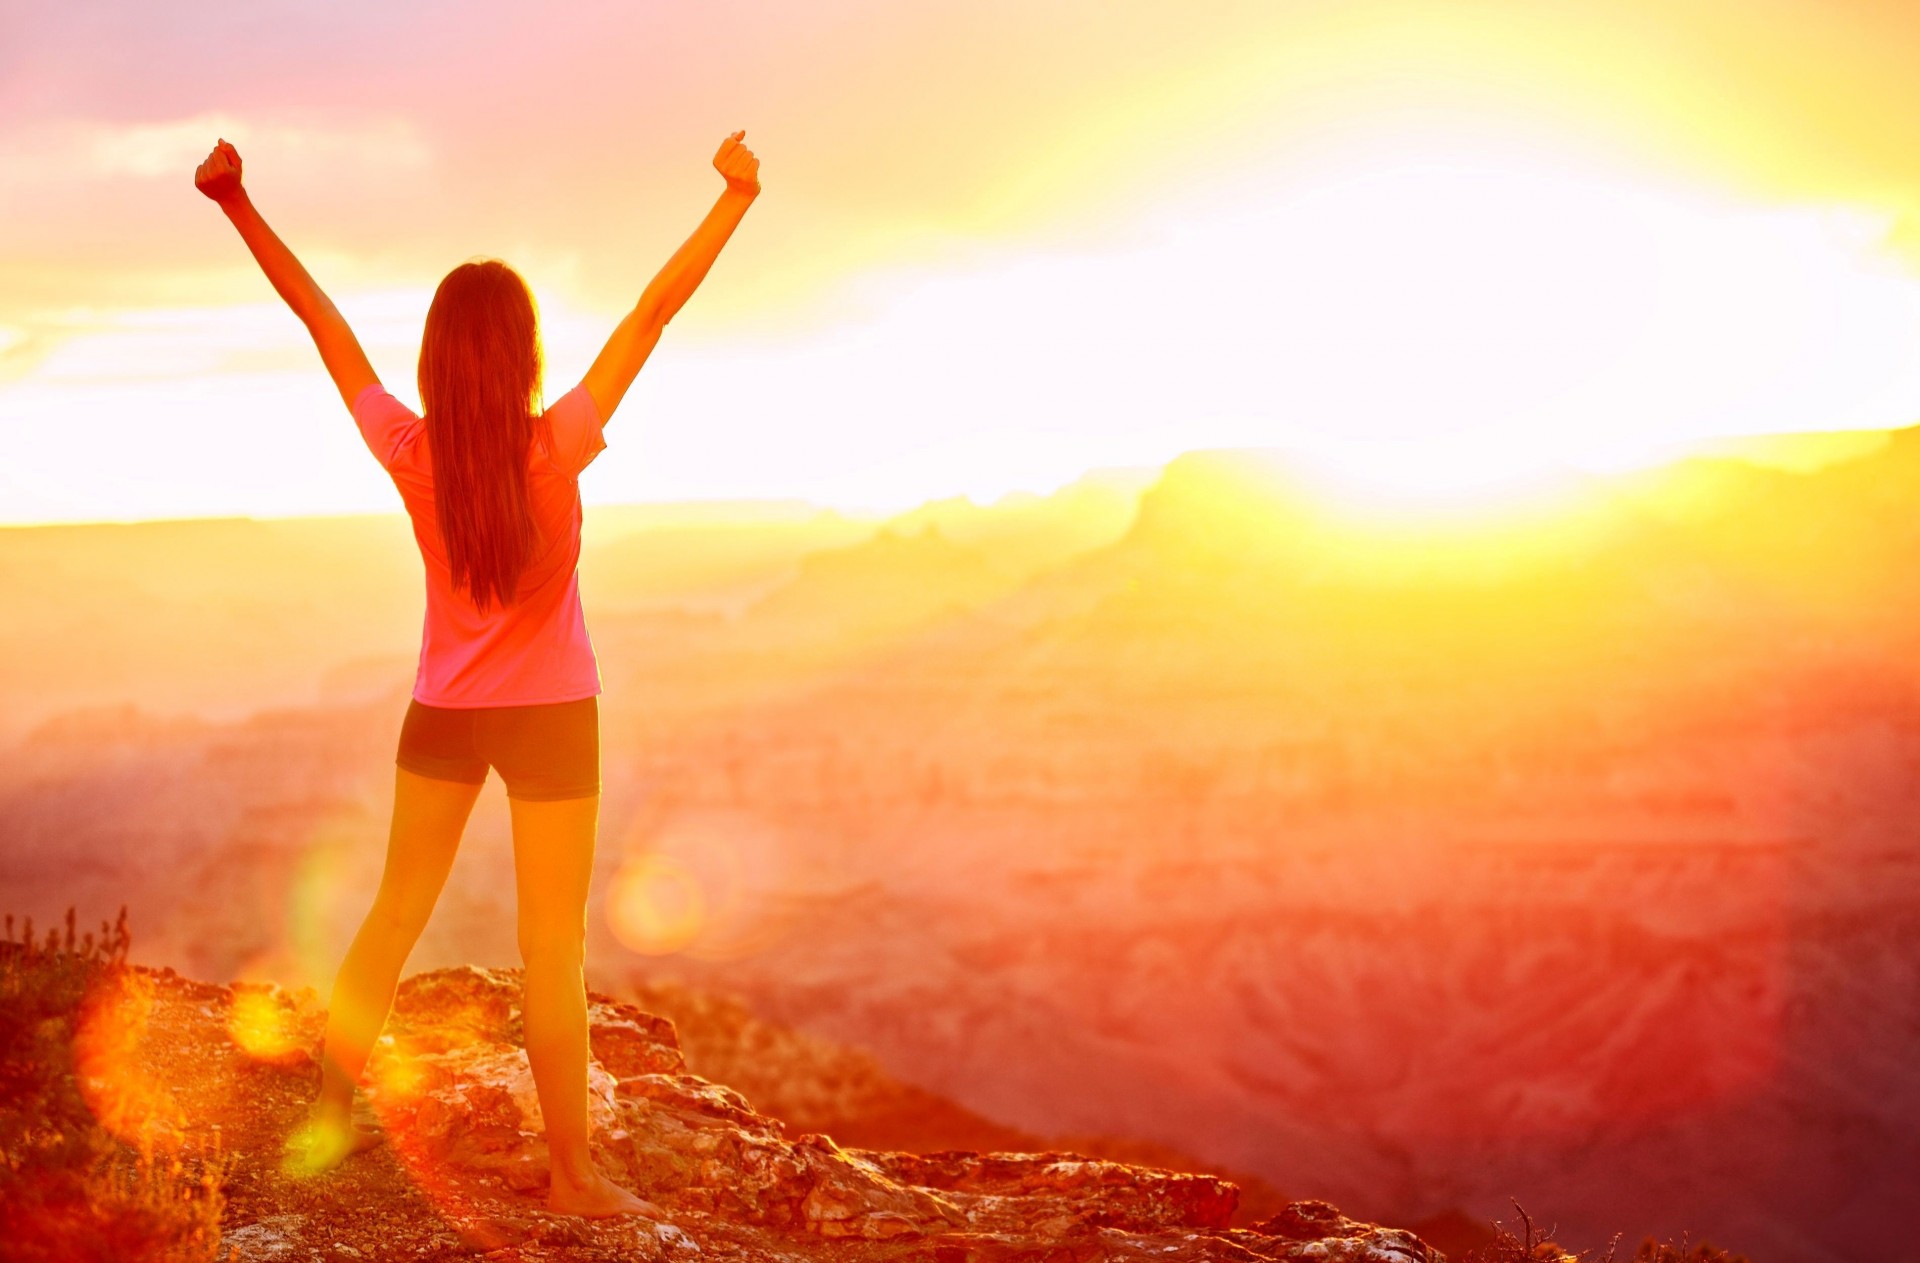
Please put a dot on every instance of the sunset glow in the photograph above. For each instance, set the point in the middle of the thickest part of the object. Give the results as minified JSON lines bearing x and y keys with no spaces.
{"x":1190,"y":614}
{"x":1439,"y":254}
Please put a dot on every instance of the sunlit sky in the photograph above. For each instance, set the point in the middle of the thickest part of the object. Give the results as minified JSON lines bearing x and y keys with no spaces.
{"x":1435,"y":250}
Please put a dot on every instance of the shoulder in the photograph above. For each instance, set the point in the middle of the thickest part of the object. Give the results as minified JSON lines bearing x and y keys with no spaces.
{"x":388,"y":425}
{"x":576,"y":407}
{"x":376,"y":400}
{"x":575,"y":426}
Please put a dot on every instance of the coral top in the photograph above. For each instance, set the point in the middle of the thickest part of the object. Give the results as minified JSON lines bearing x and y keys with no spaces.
{"x":536,"y":650}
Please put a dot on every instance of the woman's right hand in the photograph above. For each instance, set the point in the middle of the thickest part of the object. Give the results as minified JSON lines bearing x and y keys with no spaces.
{"x":736,"y":162}
{"x":219,"y":176}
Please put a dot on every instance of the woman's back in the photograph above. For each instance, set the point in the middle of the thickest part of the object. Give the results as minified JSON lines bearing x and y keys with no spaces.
{"x":507,"y":679}
{"x":534,"y":650}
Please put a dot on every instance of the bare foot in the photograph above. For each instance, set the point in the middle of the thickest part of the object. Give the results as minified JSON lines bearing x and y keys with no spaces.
{"x":600,"y":1198}
{"x":324,"y":1141}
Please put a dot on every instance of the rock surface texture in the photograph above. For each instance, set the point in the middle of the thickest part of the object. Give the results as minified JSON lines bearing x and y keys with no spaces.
{"x":464,"y":1167}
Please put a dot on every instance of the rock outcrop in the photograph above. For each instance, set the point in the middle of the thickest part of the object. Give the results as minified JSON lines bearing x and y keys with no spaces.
{"x":451,"y":1087}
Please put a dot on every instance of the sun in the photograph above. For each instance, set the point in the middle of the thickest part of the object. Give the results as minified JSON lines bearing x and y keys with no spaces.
{"x":1442,"y":327}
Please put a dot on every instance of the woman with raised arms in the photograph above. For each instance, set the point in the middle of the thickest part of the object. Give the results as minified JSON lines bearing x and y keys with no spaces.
{"x":507,"y":678}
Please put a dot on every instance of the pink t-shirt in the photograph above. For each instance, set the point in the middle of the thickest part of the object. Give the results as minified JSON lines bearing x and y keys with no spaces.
{"x":533,"y":651}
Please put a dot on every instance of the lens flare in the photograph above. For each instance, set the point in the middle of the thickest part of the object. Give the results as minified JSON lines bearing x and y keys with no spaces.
{"x":394,"y":1069}
{"x":262,"y":1024}
{"x":326,"y":891}
{"x":123,"y":1096}
{"x":656,"y":905}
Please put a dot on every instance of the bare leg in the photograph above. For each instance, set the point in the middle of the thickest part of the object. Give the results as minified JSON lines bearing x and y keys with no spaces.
{"x":428,"y":818}
{"x":553,"y":866}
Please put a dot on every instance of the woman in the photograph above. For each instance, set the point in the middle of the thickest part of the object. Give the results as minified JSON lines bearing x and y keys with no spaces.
{"x":507,"y":677}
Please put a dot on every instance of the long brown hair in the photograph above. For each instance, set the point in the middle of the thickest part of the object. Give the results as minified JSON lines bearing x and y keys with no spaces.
{"x":480,"y":371}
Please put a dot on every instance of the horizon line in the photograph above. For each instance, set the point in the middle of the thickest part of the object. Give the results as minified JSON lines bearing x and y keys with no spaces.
{"x":803,"y":509}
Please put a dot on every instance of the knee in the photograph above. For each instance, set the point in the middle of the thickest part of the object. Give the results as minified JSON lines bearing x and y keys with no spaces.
{"x":551,"y":946}
{"x":396,"y":921}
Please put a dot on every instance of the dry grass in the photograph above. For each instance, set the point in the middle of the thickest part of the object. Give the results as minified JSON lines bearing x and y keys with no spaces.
{"x":1532,"y":1245}
{"x":69,"y":1189}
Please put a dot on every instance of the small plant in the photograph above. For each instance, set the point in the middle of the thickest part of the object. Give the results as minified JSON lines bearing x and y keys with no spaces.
{"x":1651,"y":1251}
{"x":69,"y":1189}
{"x":41,"y":988}
{"x":1530,"y":1245}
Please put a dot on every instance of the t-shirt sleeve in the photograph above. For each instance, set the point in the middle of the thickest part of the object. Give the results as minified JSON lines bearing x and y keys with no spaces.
{"x":577,"y":436}
{"x":385,"y":423}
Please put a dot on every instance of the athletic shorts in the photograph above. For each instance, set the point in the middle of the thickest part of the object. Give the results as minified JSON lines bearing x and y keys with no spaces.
{"x":543,"y":753}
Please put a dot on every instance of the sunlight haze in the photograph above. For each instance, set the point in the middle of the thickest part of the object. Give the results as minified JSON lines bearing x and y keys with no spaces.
{"x":1440,"y":254}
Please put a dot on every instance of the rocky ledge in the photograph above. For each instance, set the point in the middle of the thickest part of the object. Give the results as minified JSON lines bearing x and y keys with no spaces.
{"x":464,"y":1169}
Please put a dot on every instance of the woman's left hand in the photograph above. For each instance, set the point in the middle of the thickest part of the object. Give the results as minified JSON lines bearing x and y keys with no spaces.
{"x":219,"y":176}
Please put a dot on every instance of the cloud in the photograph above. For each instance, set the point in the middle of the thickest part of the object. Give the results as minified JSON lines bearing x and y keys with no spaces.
{"x":90,"y":347}
{"x":84,"y":151}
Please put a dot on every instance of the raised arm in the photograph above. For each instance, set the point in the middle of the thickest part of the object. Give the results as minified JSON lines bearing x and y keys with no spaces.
{"x":633,"y":340}
{"x":219,"y":178}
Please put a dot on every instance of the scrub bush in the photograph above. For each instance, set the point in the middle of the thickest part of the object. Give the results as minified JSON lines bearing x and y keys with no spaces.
{"x":69,"y":1189}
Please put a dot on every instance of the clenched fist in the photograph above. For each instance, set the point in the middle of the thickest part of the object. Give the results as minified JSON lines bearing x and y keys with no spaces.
{"x":736,"y":162}
{"x":219,"y":176}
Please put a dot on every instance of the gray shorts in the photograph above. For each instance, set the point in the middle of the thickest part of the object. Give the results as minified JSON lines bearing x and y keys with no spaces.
{"x":543,"y":753}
